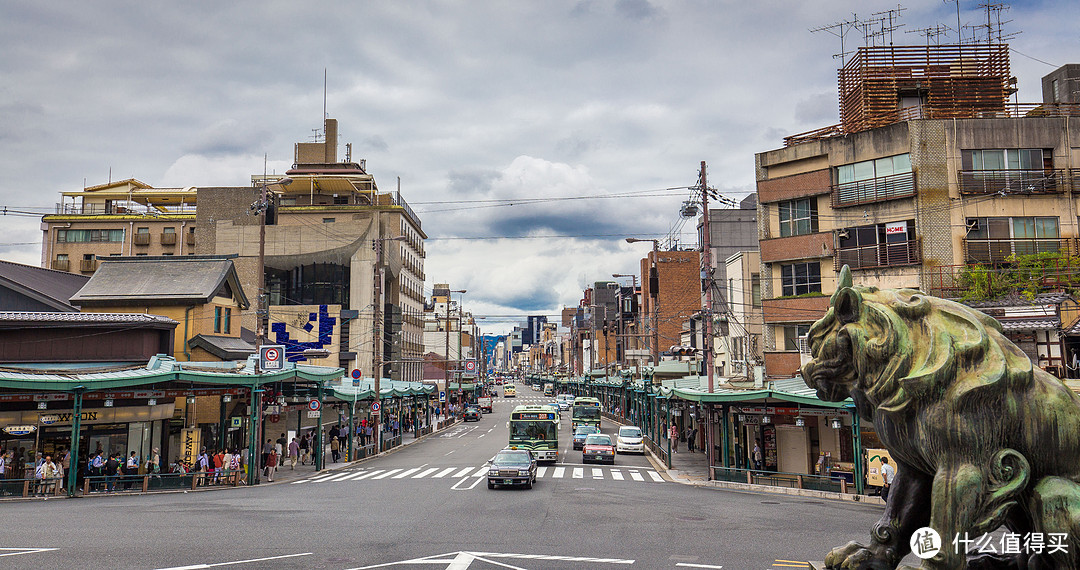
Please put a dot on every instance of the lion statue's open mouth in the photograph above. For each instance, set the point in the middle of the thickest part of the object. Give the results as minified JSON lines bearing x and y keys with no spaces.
{"x":981,"y":438}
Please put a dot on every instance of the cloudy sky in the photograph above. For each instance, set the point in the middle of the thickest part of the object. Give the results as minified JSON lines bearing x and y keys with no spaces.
{"x":597,"y":107}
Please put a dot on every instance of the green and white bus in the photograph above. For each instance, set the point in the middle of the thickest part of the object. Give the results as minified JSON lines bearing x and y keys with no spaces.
{"x":535,"y":428}
{"x":586,"y":413}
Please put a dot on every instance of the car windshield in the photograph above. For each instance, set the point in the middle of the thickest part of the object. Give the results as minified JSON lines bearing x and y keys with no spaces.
{"x":585,"y":430}
{"x":629,"y":432}
{"x":511,"y":458}
{"x":524,"y":430}
{"x":598,"y":439}
{"x":586,"y":413}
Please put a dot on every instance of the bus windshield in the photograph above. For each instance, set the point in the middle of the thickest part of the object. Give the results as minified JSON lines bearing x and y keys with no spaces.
{"x":524,"y":430}
{"x":586,"y":413}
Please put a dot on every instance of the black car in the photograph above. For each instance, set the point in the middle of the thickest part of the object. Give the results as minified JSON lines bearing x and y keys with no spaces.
{"x":472,"y":415}
{"x":581,"y":432}
{"x":512,"y":467}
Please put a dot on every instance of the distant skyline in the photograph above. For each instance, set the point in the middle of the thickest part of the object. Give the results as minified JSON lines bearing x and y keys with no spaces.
{"x":530,"y":137}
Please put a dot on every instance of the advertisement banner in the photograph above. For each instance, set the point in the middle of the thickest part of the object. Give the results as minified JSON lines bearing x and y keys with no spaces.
{"x":190,"y":444}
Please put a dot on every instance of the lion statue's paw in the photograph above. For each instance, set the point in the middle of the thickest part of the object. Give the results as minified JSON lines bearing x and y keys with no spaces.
{"x":854,"y":556}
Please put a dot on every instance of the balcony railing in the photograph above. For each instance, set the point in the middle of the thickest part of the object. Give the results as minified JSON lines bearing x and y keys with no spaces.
{"x":189,"y":238}
{"x":988,"y":281}
{"x":1012,"y":181}
{"x":141,"y":239}
{"x":124,"y":208}
{"x":168,"y":238}
{"x":880,"y":255}
{"x":60,"y":264}
{"x":88,"y":265}
{"x":874,"y":190}
{"x":999,"y":250}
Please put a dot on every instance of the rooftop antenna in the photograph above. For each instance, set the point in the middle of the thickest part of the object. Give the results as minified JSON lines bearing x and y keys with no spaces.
{"x":959,"y":26}
{"x":892,"y":16}
{"x":932,"y":34}
{"x":324,"y":93}
{"x":839,"y":29}
{"x":994,"y":24}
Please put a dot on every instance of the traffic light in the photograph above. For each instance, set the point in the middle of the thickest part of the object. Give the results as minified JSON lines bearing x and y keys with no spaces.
{"x":683,"y":351}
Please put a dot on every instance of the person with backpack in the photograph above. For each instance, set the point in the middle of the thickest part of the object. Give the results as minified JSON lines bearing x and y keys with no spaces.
{"x":305,"y":447}
{"x":112,"y":467}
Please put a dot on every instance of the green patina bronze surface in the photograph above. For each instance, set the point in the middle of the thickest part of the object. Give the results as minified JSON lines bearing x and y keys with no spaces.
{"x":982,"y":439}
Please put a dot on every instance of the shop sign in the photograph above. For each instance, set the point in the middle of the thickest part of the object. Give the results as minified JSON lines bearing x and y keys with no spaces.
{"x":20,"y":430}
{"x":190,"y":439}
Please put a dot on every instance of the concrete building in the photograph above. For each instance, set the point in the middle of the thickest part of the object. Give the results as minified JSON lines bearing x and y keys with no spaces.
{"x":671,"y":294}
{"x":931,"y":175}
{"x":731,"y":230}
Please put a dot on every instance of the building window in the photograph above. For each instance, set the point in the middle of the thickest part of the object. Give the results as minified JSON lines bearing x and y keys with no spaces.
{"x":874,"y":180}
{"x":878,"y":245}
{"x":222,"y":316}
{"x":995,"y":240}
{"x":795,"y":337}
{"x":755,"y":290}
{"x":328,"y":220}
{"x":1008,"y":170}
{"x":798,"y":217}
{"x":86,"y":236}
{"x":800,"y":278}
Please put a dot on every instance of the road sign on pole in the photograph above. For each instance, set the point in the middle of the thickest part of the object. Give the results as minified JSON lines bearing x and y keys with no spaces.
{"x":314,"y":405}
{"x":271,"y":357}
{"x":375,"y":407}
{"x":442,"y":395}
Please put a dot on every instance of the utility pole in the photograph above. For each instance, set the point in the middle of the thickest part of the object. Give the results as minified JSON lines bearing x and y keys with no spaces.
{"x":707,"y":282}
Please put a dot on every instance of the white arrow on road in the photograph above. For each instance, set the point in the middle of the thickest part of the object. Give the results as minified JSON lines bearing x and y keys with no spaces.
{"x":462,"y":560}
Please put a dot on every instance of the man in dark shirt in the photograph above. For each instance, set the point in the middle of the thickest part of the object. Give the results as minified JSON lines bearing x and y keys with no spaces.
{"x":112,"y":467}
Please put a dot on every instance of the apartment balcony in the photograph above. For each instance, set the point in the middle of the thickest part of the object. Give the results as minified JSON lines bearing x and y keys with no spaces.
{"x":1009,"y":182}
{"x":189,"y":239}
{"x":990,"y":281}
{"x":88,"y":265}
{"x":60,"y":264}
{"x":993,"y":251}
{"x":168,"y":238}
{"x":877,"y":189}
{"x":140,"y":239}
{"x":880,"y":255}
{"x":794,"y":309}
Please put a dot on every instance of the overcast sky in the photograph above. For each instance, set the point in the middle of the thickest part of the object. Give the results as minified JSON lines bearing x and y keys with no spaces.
{"x":463,"y":101}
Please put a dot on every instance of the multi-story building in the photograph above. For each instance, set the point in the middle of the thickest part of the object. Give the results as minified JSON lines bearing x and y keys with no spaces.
{"x":931,"y":175}
{"x":448,"y":330}
{"x":671,"y":294}
{"x":738,"y":348}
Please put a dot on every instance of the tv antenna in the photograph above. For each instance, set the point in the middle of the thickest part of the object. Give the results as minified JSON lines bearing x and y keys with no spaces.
{"x":993,"y":27}
{"x":883,"y":25}
{"x":840,"y":29}
{"x":932,"y":34}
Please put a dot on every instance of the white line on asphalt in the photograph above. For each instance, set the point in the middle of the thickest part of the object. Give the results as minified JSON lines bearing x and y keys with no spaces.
{"x":481,"y":471}
{"x":322,"y":476}
{"x":636,"y":476}
{"x":476,"y":481}
{"x":406,"y":473}
{"x":688,"y":565}
{"x":354,"y":476}
{"x":656,"y":476}
{"x":558,"y":473}
{"x":481,"y":435}
{"x":464,"y":472}
{"x":443,"y":473}
{"x":448,"y":453}
{"x":19,"y":551}
{"x":597,"y":473}
{"x":579,"y":473}
{"x":387,"y":474}
{"x":337,"y":476}
{"x":616,"y":475}
{"x":540,"y":471}
{"x":369,"y":474}
{"x":425,"y":473}
{"x":194,"y":566}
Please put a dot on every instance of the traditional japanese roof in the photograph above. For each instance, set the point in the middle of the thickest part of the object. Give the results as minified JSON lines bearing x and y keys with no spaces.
{"x":24,"y":319}
{"x":46,"y":286}
{"x":166,"y":280}
{"x":1046,"y":324}
{"x":223,"y":347}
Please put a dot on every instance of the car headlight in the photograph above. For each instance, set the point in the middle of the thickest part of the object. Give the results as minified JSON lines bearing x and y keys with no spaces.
{"x":493,"y":472}
{"x":523,"y":472}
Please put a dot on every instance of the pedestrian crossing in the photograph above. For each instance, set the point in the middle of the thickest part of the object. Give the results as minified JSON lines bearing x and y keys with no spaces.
{"x":568,"y":472}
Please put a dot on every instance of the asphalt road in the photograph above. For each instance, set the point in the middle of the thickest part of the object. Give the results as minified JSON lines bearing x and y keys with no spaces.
{"x":430,"y":501}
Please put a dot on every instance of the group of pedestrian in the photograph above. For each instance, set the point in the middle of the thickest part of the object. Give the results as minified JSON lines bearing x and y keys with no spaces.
{"x":217,"y":465}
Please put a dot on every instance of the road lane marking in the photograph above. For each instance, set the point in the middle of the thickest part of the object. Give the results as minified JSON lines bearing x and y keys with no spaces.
{"x":656,"y":476}
{"x":369,"y":474}
{"x":475,"y":481}
{"x":195,"y":566}
{"x":18,"y":551}
{"x":636,"y":476}
{"x":481,"y":471}
{"x":688,"y":565}
{"x":337,"y":477}
{"x":385,"y":475}
{"x":425,"y":473}
{"x":616,"y":475}
{"x":558,"y":473}
{"x":579,"y":473}
{"x":443,"y":473}
{"x":406,"y":473}
{"x":354,"y":476}
{"x":463,"y":472}
{"x":597,"y":473}
{"x":540,"y":471}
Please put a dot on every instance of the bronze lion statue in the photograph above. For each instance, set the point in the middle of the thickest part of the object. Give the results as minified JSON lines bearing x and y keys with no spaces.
{"x":981,"y":438}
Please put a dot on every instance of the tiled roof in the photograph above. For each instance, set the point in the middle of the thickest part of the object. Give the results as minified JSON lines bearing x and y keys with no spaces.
{"x":1020,"y":301}
{"x":48,"y":286}
{"x":28,"y":317}
{"x":1029,"y":324}
{"x":224,"y":347}
{"x":172,"y":279}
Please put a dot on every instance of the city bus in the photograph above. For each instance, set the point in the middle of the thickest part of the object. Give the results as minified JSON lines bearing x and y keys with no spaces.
{"x":535,"y":428}
{"x":509,"y":391}
{"x":586,"y":412}
{"x":549,"y":389}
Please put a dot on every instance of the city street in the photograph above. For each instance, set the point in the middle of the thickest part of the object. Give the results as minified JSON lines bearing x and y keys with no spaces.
{"x":427,"y":506}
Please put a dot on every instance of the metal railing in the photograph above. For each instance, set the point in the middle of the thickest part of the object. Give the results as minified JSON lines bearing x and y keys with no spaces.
{"x":1022,"y":182}
{"x":999,"y":250}
{"x":879,"y":255}
{"x":873,"y":190}
{"x":835,"y":484}
{"x":31,"y":487}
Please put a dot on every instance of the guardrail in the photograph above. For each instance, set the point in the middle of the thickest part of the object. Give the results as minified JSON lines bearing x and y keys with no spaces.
{"x":97,"y":484}
{"x":30,"y":487}
{"x":835,"y":484}
{"x":658,"y":450}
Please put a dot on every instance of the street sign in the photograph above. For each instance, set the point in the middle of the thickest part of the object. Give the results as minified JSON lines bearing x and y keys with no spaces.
{"x":19,"y":430}
{"x":442,"y":395}
{"x":274,"y":418}
{"x":356,"y":382}
{"x":470,"y":366}
{"x":314,"y":405}
{"x":236,"y":422}
{"x":271,"y":357}
{"x":356,"y":373}
{"x":375,"y":406}
{"x":313,"y":413}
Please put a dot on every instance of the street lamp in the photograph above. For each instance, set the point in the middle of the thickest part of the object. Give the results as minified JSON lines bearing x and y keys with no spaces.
{"x":376,"y":349}
{"x":446,"y":362}
{"x":652,"y":293}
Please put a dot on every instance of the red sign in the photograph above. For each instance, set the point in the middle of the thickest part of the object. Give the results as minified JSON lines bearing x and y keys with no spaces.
{"x":274,"y":418}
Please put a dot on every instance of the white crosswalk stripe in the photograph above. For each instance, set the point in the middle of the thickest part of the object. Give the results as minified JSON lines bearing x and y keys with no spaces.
{"x":624,"y":474}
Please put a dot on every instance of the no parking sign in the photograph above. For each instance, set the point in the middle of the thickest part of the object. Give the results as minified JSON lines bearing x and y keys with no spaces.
{"x":272,"y":357}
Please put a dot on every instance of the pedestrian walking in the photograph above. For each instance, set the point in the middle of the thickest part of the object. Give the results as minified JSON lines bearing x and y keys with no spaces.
{"x":271,"y":464}
{"x":756,"y":454}
{"x":294,"y":453}
{"x":112,"y":468}
{"x":691,"y":438}
{"x":888,"y":473}
{"x":674,"y":438}
{"x":305,"y":449}
{"x":335,"y":448}
{"x":131,"y":468}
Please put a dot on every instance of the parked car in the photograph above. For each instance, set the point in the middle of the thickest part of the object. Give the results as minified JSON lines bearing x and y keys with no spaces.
{"x":472,"y":415}
{"x":581,"y":433}
{"x":629,"y":440}
{"x":512,"y":467}
{"x":598,"y":448}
